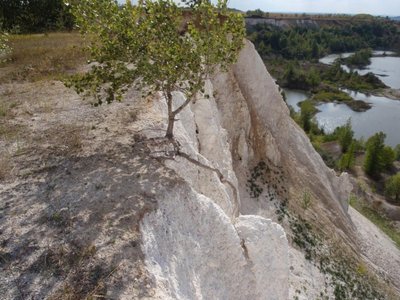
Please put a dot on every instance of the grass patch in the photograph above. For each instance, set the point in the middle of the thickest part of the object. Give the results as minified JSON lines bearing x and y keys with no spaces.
{"x":43,"y":56}
{"x":328,"y":96}
{"x":380,"y":221}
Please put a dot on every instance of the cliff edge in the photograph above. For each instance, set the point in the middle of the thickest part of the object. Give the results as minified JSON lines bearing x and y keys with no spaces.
{"x":97,"y":204}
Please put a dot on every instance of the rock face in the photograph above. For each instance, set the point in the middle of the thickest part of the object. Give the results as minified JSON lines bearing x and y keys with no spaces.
{"x":97,"y":203}
{"x":213,"y":239}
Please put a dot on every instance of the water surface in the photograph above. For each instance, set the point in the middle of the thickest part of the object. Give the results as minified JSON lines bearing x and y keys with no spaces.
{"x":387,"y":68}
{"x":383,"y":116}
{"x":293,"y":97}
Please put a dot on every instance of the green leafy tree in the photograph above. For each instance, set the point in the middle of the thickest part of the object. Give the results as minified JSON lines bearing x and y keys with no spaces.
{"x":345,"y":136}
{"x":35,"y":15}
{"x":373,"y":164}
{"x":155,"y":46}
{"x":397,"y":150}
{"x":392,"y":187}
{"x":348,"y":159}
{"x":388,"y":157}
{"x":361,"y":58}
{"x":255,"y":13}
{"x":306,"y":114}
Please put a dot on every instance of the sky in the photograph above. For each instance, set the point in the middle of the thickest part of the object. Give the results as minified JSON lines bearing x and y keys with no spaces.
{"x":373,"y":7}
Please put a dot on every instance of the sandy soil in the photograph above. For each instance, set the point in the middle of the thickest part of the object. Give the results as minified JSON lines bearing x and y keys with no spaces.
{"x":77,"y":186}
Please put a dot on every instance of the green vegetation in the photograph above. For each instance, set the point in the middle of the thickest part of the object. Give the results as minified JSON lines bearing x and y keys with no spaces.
{"x":397,"y":150}
{"x":291,"y":54}
{"x":388,"y":157}
{"x":296,"y":78}
{"x":348,"y":159}
{"x":165,"y":57}
{"x":4,"y":47}
{"x":314,"y":77}
{"x":375,"y":161}
{"x":306,"y":114}
{"x":352,"y":80}
{"x":331,"y":96}
{"x":305,"y":43}
{"x":255,"y":189}
{"x":35,"y":16}
{"x":392,"y":187}
{"x":360,"y":59}
{"x":348,"y":278}
{"x":304,"y":237}
{"x":307,"y":200}
{"x":346,"y":135}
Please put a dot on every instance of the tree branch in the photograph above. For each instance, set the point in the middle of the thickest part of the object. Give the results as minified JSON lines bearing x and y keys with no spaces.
{"x":180,"y":108}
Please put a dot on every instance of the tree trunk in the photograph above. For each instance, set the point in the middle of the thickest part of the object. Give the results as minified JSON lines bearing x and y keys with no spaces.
{"x":170,"y":128}
{"x":171,"y":116}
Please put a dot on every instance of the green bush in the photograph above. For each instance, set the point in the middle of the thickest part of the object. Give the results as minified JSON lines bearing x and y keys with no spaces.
{"x":348,"y":159}
{"x":392,"y":187}
{"x":331,"y":96}
{"x":373,"y":163}
{"x":307,"y":112}
{"x":397,"y":150}
{"x":361,"y":58}
{"x":4,"y":47}
{"x":345,"y":136}
{"x":388,"y":157}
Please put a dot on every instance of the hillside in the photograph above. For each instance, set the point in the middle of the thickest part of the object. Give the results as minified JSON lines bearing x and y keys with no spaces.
{"x":96,"y":204}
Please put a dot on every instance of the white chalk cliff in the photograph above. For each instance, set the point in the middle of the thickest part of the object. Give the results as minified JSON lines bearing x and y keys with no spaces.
{"x":208,"y":239}
{"x":98,"y":205}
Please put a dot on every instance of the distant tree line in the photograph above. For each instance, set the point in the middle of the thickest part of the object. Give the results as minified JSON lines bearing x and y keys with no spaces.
{"x":305,"y":43}
{"x":31,"y":16}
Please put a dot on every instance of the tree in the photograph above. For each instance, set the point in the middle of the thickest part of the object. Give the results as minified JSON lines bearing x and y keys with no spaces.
{"x":397,"y":150}
{"x":314,"y":49}
{"x":35,"y":15}
{"x":156,"y":46}
{"x":306,"y":114}
{"x":348,"y":159}
{"x":373,"y":160}
{"x":388,"y":157}
{"x":392,"y":187}
{"x":361,"y":58}
{"x":345,"y":135}
{"x":258,"y":13}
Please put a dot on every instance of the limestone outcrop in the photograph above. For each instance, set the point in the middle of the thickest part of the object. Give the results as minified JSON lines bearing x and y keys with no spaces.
{"x":215,"y":240}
